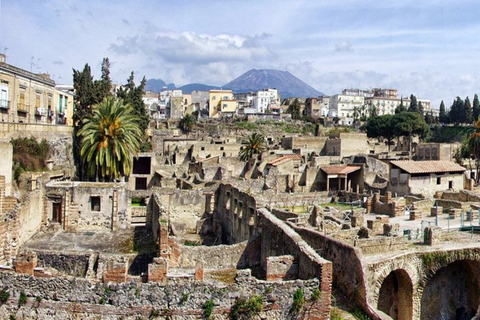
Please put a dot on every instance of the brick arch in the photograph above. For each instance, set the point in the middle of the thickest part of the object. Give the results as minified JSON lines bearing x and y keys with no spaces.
{"x":408,"y":264}
{"x":444,"y":258}
{"x":451,"y":290}
{"x":396,"y":295}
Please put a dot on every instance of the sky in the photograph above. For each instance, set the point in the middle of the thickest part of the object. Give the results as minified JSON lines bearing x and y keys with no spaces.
{"x":430,"y":49}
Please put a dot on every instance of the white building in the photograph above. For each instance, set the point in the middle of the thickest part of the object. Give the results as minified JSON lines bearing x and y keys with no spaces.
{"x":343,"y":107}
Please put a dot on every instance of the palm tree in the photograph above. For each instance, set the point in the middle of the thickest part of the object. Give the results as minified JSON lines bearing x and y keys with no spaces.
{"x":254,"y":145}
{"x":109,"y":138}
{"x":187,"y":122}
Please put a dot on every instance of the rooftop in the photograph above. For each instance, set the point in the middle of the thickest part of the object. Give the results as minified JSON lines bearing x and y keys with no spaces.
{"x":432,"y":166}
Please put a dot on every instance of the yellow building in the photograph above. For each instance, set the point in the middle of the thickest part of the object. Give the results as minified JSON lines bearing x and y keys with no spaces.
{"x":221,"y":102}
{"x":27,"y":97}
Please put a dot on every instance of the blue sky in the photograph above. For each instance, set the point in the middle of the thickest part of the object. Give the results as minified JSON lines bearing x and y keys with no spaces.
{"x":426,"y":48}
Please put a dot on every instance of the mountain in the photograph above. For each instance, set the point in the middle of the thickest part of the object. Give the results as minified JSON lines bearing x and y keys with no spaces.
{"x":188,"y":88}
{"x":287,"y":84}
{"x":156,"y":85}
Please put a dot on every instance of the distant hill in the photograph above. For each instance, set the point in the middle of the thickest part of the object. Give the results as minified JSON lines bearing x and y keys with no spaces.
{"x":156,"y":85}
{"x":287,"y":84}
{"x":188,"y":88}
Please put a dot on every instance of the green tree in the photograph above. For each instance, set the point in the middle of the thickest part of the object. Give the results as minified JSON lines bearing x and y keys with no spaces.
{"x":410,"y":124}
{"x":413,"y":104}
{"x":85,"y":94}
{"x":474,"y":146}
{"x":420,"y":108}
{"x":443,"y":117}
{"x":476,"y":108}
{"x":104,"y":85}
{"x":294,"y":109}
{"x":381,"y":126}
{"x":401,"y":107}
{"x":109,"y":139}
{"x":255,"y":144}
{"x":467,"y":111}
{"x":429,"y":118}
{"x":132,"y":95}
{"x":456,"y":114}
{"x":187,"y":122}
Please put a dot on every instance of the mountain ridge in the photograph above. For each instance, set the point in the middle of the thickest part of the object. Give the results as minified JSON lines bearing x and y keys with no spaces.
{"x":253,"y":80}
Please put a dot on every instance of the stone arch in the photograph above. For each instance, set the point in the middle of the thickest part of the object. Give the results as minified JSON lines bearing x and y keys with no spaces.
{"x":451,"y":290}
{"x":396,"y":295}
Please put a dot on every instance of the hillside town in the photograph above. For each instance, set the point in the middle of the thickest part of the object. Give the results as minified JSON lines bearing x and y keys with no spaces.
{"x":122,"y":203}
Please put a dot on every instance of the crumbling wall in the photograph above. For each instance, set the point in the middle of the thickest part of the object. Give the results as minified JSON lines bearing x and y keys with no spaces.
{"x":345,"y":259}
{"x":213,"y":257}
{"x":64,"y":298}
{"x":236,"y":212}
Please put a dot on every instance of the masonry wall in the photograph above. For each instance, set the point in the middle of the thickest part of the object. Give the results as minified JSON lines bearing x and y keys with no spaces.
{"x":213,"y":257}
{"x":346,"y":263}
{"x":31,"y":211}
{"x":64,"y":298}
{"x":237,"y":214}
{"x":6,"y":161}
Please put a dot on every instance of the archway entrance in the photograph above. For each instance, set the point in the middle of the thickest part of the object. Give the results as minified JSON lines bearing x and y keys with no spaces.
{"x":453,"y":292}
{"x":396,"y":295}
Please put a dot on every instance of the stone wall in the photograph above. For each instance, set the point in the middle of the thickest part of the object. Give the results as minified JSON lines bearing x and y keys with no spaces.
{"x":6,"y":164}
{"x":64,"y":298}
{"x":213,"y":257}
{"x":346,"y":262}
{"x":67,"y":264}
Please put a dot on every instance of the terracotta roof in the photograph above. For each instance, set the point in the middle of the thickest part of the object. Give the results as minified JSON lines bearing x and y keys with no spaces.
{"x":431,"y":166}
{"x":340,"y":169}
{"x":285,"y":158}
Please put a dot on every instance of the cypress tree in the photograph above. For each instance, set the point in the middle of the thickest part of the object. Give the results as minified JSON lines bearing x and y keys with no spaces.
{"x":476,"y":107}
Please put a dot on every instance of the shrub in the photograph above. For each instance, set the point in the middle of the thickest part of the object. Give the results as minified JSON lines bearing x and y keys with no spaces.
{"x":184,"y":298}
{"x":22,"y":300}
{"x":208,"y":309}
{"x":4,"y":295}
{"x":249,"y":308}
{"x":335,"y":314}
{"x":298,"y":301}
{"x":316,"y":294}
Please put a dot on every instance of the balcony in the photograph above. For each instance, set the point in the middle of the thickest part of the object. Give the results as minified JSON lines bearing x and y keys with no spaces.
{"x":40,"y":112}
{"x":5,"y":104}
{"x":22,"y":107}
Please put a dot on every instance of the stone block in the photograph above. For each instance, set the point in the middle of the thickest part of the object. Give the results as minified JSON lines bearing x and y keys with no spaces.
{"x":432,"y":235}
{"x":116,"y":271}
{"x":281,"y":268}
{"x":199,"y":272}
{"x":383,"y":218}
{"x":157,"y":270}
{"x":433,"y":211}
{"x":375,"y":225}
{"x":358,"y":220}
{"x":26,"y":262}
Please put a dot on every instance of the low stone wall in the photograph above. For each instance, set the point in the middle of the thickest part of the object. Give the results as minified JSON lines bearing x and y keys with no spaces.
{"x":68,"y":264}
{"x":212,"y":257}
{"x":378,"y":245}
{"x":64,"y":298}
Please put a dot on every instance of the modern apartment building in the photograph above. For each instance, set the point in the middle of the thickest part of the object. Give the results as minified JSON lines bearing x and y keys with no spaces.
{"x":344,"y":107}
{"x":221,"y":102}
{"x":27,"y":97}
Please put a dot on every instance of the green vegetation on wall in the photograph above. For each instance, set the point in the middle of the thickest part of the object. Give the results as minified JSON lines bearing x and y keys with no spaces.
{"x":29,"y":155}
